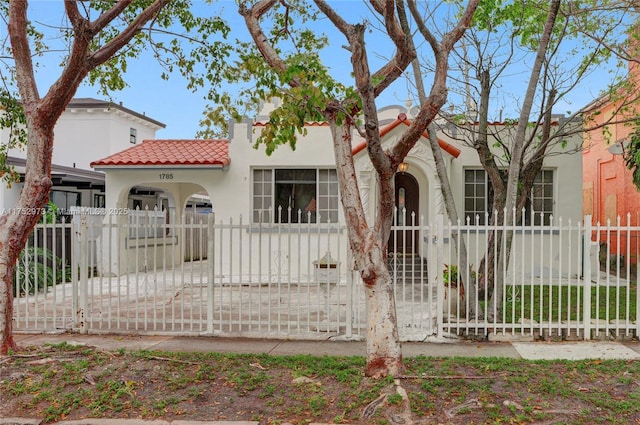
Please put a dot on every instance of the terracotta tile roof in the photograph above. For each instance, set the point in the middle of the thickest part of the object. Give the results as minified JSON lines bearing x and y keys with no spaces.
{"x":178,"y":152}
{"x":402,"y":119}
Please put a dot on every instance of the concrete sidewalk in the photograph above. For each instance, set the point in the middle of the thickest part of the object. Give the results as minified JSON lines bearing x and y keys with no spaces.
{"x":581,"y":350}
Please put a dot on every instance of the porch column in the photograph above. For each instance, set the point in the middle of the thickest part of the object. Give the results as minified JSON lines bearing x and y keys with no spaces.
{"x":113,"y":260}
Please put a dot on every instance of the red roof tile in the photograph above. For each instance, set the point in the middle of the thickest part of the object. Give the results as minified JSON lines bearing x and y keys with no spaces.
{"x":402,"y":119}
{"x":170,"y":152}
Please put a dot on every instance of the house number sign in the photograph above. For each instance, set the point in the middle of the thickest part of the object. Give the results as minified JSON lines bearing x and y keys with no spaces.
{"x":166,"y":176}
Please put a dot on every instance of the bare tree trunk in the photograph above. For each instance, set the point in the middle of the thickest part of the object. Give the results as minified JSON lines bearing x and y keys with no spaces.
{"x":369,"y":248}
{"x":16,"y":225}
{"x":384,"y":352}
{"x":517,"y":152}
{"x":487,"y":266}
{"x":6,"y":304}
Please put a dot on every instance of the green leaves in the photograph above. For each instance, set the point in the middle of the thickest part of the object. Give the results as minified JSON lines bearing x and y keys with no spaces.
{"x":632,"y":155}
{"x":12,"y":118}
{"x":310,"y":89}
{"x":301,"y":81}
{"x":193,"y":46}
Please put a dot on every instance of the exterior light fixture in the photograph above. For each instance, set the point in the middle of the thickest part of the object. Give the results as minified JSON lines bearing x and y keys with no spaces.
{"x":403,"y":167}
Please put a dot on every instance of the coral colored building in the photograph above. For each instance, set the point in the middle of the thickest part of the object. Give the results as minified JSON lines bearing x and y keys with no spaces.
{"x":608,"y":191}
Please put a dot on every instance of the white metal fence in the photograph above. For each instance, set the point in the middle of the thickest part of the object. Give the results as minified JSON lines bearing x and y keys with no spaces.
{"x":109,"y":273}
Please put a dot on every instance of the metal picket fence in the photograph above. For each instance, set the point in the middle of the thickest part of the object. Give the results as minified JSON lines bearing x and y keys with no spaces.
{"x":563,"y":280}
{"x":100,"y":273}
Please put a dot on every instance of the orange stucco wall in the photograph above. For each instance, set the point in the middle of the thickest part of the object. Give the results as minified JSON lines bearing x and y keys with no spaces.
{"x":608,"y":191}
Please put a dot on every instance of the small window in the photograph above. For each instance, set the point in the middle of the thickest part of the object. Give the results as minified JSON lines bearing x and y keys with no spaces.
{"x":540,"y":201}
{"x":475,"y":196}
{"x":133,"y":135}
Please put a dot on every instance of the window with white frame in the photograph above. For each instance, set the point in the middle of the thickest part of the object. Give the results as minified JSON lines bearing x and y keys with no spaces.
{"x":475,"y":195}
{"x":478,"y":197}
{"x":295,"y":195}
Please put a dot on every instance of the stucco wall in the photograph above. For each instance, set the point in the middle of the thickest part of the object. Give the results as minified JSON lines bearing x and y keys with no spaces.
{"x":608,"y":186}
{"x":232,"y":191}
{"x":83,"y":136}
{"x":608,"y":189}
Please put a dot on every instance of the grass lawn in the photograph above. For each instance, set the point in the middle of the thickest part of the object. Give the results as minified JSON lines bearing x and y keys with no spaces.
{"x":566,"y":303}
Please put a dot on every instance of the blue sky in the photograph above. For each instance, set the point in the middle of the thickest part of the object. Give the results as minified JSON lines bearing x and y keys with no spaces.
{"x":181,"y":110}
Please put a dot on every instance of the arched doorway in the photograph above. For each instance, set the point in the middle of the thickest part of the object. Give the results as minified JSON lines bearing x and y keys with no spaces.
{"x":405,"y":240}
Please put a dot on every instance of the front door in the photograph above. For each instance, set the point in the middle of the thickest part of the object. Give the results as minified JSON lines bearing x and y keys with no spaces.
{"x":404,"y":239}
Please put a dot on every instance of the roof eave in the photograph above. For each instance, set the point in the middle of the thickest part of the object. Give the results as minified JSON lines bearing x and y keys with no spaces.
{"x":105,"y":167}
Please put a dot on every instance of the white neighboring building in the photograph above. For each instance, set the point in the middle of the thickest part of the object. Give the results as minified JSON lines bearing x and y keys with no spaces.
{"x":88,"y":129}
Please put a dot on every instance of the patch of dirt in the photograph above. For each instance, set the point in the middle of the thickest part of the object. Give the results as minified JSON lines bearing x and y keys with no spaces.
{"x":66,"y":383}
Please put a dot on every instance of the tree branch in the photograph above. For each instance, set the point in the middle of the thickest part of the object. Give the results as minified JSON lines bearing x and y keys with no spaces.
{"x":76,"y":19}
{"x":438,"y":95}
{"x":252,"y":20}
{"x":514,"y":164}
{"x":18,"y":27}
{"x":109,"y":49}
{"x":405,"y":52}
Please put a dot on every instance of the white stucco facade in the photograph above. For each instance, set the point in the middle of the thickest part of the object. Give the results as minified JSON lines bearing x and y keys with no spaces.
{"x":85,"y":133}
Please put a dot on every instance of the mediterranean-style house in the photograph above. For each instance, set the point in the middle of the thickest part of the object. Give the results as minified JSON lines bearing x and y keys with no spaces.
{"x":242,"y":180}
{"x":301,"y":186}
